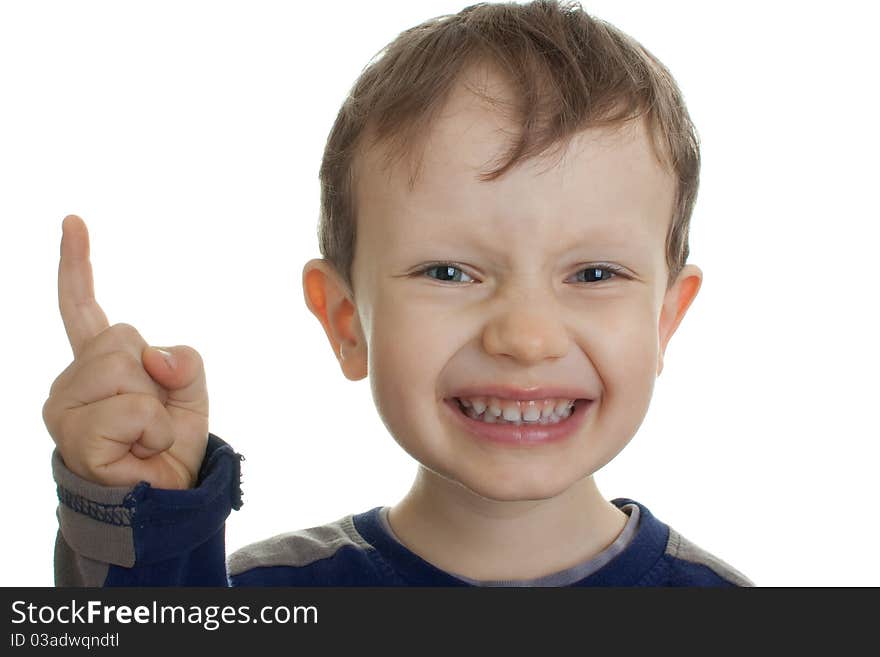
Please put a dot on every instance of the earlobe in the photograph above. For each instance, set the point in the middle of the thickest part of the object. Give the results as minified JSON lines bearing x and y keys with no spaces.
{"x":676,"y":302}
{"x":327,"y":299}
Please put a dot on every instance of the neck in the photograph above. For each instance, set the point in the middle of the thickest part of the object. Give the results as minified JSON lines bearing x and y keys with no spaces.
{"x":462,"y":533}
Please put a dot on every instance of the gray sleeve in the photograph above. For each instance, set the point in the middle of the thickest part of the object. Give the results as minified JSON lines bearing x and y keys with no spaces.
{"x":94,"y":528}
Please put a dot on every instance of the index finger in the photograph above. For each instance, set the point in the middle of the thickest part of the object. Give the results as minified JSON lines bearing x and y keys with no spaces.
{"x":82,"y":316}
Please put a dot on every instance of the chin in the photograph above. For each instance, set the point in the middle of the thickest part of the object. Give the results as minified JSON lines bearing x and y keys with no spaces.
{"x":515,"y":489}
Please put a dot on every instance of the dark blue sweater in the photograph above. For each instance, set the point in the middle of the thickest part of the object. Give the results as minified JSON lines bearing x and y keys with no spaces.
{"x":144,"y":536}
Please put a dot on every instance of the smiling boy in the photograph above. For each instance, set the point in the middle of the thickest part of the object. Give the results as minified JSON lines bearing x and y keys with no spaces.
{"x":506,"y":196}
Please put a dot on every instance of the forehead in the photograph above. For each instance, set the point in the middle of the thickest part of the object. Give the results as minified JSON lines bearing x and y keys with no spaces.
{"x":604,"y":183}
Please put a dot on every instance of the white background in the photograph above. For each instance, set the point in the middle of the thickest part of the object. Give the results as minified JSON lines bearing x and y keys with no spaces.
{"x":188,"y":136}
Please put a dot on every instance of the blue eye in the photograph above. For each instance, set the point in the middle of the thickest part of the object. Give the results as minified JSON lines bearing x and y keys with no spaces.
{"x":598,"y":272}
{"x":446,"y":272}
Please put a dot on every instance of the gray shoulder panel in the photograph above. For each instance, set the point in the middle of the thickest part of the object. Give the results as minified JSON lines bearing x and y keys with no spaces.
{"x":681,"y":548}
{"x":298,"y":548}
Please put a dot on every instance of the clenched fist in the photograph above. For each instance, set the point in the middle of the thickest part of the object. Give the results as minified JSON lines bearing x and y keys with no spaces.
{"x":120,"y":413}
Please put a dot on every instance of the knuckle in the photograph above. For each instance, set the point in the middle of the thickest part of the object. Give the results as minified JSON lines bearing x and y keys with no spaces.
{"x":153,"y":406}
{"x":125,"y":334}
{"x":146,"y":406}
{"x":49,"y":413}
{"x":62,"y":379}
{"x":53,"y":389}
{"x":63,"y":430}
{"x":122,"y":364}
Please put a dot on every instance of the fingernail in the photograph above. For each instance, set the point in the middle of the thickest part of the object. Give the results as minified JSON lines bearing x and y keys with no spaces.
{"x":168,"y":356}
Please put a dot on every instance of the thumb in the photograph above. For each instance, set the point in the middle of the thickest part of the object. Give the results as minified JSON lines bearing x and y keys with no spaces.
{"x":181,"y":372}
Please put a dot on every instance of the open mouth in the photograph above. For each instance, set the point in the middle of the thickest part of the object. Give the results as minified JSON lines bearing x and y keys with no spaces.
{"x":543,"y":414}
{"x":521,"y":429}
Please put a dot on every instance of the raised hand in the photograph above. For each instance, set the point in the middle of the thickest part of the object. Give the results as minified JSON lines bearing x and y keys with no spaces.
{"x":120,"y":413}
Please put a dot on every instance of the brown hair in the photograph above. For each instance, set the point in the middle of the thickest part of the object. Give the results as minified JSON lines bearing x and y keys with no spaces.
{"x":571,"y":71}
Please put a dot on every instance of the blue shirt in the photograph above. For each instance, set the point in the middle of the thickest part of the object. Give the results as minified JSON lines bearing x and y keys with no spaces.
{"x":142,"y":536}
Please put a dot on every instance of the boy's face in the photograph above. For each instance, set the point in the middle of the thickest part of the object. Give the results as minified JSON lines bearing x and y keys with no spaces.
{"x":519,"y":310}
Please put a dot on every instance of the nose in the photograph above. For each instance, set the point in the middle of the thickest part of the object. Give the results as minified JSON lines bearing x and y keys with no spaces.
{"x":527,"y":327}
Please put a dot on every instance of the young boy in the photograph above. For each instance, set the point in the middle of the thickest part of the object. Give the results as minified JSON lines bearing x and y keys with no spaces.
{"x":506,"y":195}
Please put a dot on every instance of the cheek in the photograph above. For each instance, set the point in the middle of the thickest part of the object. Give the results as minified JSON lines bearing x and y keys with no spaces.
{"x":406,"y":356}
{"x":627,"y":347}
{"x":635,"y":358}
{"x":410,"y":344}
{"x":626,"y":361}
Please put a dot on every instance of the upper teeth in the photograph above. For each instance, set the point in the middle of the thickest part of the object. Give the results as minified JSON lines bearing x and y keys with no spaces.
{"x":513,"y":410}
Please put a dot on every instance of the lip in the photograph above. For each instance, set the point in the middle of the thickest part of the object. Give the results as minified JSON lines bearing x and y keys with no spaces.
{"x":523,"y":435}
{"x":522,"y":394}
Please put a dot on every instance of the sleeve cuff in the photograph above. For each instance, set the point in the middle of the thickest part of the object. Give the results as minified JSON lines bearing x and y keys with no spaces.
{"x":144,"y":525}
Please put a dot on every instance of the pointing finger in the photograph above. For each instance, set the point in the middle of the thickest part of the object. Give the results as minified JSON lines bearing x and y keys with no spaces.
{"x":83,"y":317}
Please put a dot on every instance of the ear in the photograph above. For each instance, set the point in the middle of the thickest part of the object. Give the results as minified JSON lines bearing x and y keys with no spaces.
{"x":330,"y":301}
{"x":676,"y":301}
